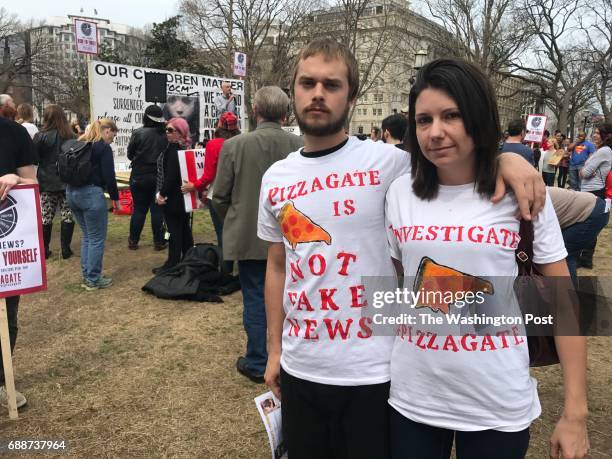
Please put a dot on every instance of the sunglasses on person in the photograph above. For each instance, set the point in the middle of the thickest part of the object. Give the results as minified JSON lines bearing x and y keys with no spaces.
{"x":170,"y":130}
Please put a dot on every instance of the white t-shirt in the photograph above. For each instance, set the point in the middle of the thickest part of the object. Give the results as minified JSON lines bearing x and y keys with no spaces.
{"x":341,"y":196}
{"x":31,"y":128}
{"x":457,"y":380}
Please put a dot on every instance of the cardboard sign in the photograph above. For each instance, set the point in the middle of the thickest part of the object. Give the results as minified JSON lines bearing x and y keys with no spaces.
{"x":240,"y":63}
{"x":86,"y":34}
{"x":22,"y":257}
{"x":118,"y":92}
{"x":191,"y":163}
{"x":534,"y":131}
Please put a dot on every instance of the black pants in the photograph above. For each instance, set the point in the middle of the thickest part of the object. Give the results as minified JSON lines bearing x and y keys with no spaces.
{"x":324,"y":421}
{"x":181,"y":239}
{"x":12,"y":307}
{"x":589,"y":249}
{"x":562,"y":177}
{"x":410,"y":439}
{"x":142,"y":187}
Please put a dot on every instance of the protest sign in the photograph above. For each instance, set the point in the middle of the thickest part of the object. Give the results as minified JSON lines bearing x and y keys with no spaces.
{"x":22,"y":265}
{"x":269,"y":408}
{"x":534,"y":131}
{"x":86,"y":36}
{"x":118,"y":92}
{"x":240,"y":62}
{"x":191,"y":163}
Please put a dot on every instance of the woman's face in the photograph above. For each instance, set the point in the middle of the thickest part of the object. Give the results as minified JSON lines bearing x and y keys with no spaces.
{"x":108,"y":135}
{"x":440,"y":131}
{"x":181,"y":106}
{"x":597,"y":138}
{"x":559,"y":138}
{"x":172,"y":134}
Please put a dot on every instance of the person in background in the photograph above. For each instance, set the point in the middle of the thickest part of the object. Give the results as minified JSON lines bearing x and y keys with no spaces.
{"x":88,"y":203}
{"x":226,"y":129}
{"x":226,"y":101}
{"x":548,"y":171}
{"x":25,"y":117}
{"x":375,"y":134}
{"x":47,"y":144}
{"x":170,"y":196}
{"x":393,"y":130}
{"x":76,"y":128}
{"x":581,"y":216}
{"x":242,"y":163}
{"x":146,"y":144}
{"x":563,"y":167}
{"x":593,"y":178}
{"x":580,"y":150}
{"x":16,"y":168}
{"x":7,"y":107}
{"x":514,"y":141}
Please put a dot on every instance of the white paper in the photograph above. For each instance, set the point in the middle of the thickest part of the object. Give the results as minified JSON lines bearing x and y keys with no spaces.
{"x":269,"y":408}
{"x":534,"y":130}
{"x":86,"y":36}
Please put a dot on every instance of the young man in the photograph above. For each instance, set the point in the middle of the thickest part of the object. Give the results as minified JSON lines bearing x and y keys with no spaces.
{"x":514,"y":141}
{"x":322,"y":209}
{"x":393,"y":130}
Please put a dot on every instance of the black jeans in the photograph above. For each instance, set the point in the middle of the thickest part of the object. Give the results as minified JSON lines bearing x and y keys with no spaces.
{"x":549,"y":178}
{"x":181,"y":239}
{"x":412,"y":439}
{"x":324,"y":421}
{"x":562,"y":177}
{"x":143,"y":196}
{"x":12,"y":307}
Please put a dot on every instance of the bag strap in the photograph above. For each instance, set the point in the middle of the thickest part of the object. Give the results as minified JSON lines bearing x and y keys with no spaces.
{"x":524,"y":249}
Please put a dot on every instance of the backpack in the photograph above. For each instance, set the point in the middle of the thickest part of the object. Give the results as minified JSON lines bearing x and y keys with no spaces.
{"x":74,"y":162}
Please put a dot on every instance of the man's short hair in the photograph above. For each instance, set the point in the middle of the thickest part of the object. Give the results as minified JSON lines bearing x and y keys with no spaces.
{"x":271,"y":103}
{"x":375,"y":129}
{"x":515,"y":127}
{"x":396,"y":125}
{"x":330,"y":49}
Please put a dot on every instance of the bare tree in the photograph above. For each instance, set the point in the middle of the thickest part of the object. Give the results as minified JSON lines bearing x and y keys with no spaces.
{"x":603,"y":80}
{"x":488,"y":33}
{"x":563,"y":59}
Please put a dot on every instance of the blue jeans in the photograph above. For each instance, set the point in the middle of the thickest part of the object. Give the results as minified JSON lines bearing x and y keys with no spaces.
{"x":143,"y":197}
{"x":227,"y":266}
{"x":91,"y":213}
{"x":574,"y":177}
{"x":580,"y":236}
{"x":252,"y":280}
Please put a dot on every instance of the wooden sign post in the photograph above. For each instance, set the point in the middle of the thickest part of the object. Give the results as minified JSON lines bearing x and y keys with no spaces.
{"x":22,"y":265}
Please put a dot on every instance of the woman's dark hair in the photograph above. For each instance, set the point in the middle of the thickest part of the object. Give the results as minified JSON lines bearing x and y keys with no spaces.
{"x":54,"y":118}
{"x":226,"y":133}
{"x":605,"y":132}
{"x":472,"y":91}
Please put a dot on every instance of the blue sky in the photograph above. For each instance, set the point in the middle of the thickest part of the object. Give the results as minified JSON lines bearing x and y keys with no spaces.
{"x":131,"y":12}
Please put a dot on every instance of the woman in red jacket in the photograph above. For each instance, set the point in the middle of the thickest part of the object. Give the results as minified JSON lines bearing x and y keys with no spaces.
{"x":226,"y":129}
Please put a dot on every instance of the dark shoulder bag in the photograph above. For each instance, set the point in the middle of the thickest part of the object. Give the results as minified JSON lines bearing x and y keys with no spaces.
{"x":530,"y":287}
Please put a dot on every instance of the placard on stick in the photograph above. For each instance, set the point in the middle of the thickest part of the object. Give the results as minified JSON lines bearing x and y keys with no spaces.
{"x":191,"y":163}
{"x":22,"y":264}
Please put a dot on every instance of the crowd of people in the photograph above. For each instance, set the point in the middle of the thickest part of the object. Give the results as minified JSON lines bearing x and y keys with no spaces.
{"x":304,"y":219}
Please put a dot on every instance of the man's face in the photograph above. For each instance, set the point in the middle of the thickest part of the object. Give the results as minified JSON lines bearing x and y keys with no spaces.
{"x":226,"y":88}
{"x":321,"y":96}
{"x":581,"y":136}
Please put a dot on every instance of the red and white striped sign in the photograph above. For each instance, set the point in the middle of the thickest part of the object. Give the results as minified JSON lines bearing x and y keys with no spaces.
{"x":191,"y":163}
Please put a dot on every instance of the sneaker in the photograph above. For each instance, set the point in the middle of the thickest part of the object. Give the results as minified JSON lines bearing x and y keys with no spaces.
{"x":21,"y":400}
{"x":241,"y":366}
{"x":102,"y":282}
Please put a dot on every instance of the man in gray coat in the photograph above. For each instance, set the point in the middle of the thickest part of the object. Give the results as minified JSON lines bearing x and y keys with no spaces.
{"x":242,"y":163}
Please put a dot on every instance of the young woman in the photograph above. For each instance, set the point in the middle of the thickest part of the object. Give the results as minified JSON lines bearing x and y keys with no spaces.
{"x":146,"y":144}
{"x":169,"y":194}
{"x":593,"y":178}
{"x":226,"y":129}
{"x":89,"y":206}
{"x":470,"y":388}
{"x":24,"y":117}
{"x":47,"y":143}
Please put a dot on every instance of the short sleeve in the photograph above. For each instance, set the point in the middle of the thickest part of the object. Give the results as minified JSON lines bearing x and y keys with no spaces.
{"x":268,"y":228}
{"x":390,"y":204}
{"x":548,"y":245}
{"x":25,"y":155}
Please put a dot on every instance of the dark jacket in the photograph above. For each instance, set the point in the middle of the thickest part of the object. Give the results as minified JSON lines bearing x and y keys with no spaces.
{"x":46,"y":148}
{"x":103,"y":169}
{"x":146,"y":144}
{"x":169,"y":183}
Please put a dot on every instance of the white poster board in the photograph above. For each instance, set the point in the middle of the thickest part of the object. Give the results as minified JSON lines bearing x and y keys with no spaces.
{"x":534,"y":130}
{"x":240,"y":64}
{"x":191,"y":163}
{"x":22,"y":258}
{"x":86,"y":33}
{"x":117,"y":92}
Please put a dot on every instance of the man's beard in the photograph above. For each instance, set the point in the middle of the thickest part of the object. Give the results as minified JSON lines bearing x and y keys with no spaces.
{"x":333,"y":127}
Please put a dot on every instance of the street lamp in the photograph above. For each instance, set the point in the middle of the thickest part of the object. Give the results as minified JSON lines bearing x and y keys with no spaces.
{"x":419,"y":61}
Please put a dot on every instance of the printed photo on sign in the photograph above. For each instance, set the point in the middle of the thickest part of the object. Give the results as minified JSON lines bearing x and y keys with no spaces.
{"x":118,"y":92}
{"x":22,"y":264}
{"x":535,"y":127}
{"x":86,"y":33}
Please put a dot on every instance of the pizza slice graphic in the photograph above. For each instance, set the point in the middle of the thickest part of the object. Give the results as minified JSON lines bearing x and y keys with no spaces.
{"x":298,"y":228}
{"x":432,"y":277}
